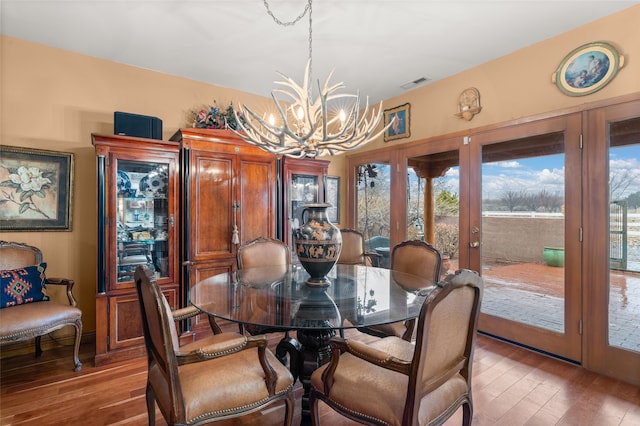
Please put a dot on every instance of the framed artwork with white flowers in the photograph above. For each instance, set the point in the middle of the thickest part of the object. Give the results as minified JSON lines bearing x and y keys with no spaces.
{"x":36,"y":189}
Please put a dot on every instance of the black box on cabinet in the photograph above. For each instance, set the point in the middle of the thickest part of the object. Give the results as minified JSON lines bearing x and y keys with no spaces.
{"x":141,"y":126}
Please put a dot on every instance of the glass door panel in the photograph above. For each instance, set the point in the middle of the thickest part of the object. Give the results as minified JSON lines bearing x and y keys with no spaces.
{"x":624,"y":235}
{"x":612,"y":241}
{"x":303,"y":189}
{"x":522,"y":254}
{"x":433,"y":203}
{"x":142,"y":219}
{"x":373,"y":208}
{"x":524,"y":233}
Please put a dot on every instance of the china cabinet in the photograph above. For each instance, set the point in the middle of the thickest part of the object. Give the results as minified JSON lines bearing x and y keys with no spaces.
{"x":137,"y":224}
{"x":183,"y":207}
{"x":303,"y":181}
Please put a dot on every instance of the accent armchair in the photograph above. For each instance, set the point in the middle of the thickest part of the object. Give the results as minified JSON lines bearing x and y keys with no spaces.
{"x":26,"y":311}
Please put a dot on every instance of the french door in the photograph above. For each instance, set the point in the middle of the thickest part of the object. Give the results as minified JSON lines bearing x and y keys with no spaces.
{"x":497,"y":202}
{"x":548,"y":212}
{"x":612,"y":241}
{"x":525,"y":201}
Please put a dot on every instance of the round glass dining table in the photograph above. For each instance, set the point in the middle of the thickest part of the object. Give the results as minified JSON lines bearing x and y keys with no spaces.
{"x":278,"y":298}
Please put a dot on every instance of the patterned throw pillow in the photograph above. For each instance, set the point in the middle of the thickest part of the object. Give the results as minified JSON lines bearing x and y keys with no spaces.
{"x":23,"y":285}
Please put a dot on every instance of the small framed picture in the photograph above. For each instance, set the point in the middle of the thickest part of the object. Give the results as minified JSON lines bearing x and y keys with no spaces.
{"x":587,"y":69}
{"x":398,"y":121}
{"x":332,"y":196}
{"x":36,"y":189}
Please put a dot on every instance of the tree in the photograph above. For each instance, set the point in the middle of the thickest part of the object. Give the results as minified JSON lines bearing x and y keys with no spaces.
{"x":511,"y":199}
{"x":633,"y":200}
{"x":447,"y":203}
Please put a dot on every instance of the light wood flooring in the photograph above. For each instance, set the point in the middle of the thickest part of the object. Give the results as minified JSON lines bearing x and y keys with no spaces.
{"x":511,"y":386}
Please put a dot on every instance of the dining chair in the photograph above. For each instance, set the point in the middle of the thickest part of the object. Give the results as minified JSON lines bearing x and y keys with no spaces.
{"x":223,"y":376}
{"x":353,"y":249}
{"x":417,"y":258}
{"x":395,"y":382}
{"x":258,"y":253}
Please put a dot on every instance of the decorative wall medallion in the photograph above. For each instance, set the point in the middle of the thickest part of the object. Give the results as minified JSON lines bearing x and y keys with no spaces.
{"x":469,"y":103}
{"x":587,"y":69}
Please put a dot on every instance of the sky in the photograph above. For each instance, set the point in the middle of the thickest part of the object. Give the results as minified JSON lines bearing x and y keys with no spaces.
{"x":535,"y":174}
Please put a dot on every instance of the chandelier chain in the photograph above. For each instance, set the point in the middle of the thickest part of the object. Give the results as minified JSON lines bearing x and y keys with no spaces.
{"x":307,"y":8}
{"x":287,"y":24}
{"x":309,"y":127}
{"x":310,"y":38}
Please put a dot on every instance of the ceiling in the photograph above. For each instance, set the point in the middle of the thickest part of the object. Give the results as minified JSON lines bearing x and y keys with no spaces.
{"x":375,"y":46}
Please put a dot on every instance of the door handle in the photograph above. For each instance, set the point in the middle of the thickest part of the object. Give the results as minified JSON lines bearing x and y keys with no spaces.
{"x":474,"y":244}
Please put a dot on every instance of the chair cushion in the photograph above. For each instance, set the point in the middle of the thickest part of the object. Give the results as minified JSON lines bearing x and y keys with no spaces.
{"x":35,"y":319}
{"x":23,"y":285}
{"x":239,"y":383}
{"x":366,"y":388}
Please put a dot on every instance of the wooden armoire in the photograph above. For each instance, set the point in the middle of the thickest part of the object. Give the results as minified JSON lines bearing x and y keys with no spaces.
{"x":230,"y":197}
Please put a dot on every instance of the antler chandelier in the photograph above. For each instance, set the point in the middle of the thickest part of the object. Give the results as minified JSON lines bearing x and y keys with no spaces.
{"x":309,"y":128}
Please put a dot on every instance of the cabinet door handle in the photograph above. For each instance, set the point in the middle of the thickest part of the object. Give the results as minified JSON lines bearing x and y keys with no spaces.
{"x":172,"y":221}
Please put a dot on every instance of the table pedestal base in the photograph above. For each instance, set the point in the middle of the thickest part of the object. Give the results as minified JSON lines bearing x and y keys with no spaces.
{"x":305,"y":355}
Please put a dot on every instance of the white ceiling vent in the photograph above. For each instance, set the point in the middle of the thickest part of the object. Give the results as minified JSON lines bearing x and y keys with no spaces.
{"x":415,"y":83}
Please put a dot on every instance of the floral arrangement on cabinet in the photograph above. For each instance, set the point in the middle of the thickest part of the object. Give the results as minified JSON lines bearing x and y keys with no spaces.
{"x":212,"y":117}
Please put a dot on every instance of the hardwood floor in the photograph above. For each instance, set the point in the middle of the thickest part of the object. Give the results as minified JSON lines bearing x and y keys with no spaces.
{"x":511,"y":386}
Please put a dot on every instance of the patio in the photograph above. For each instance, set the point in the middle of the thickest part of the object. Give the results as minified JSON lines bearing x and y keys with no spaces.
{"x":533,"y":293}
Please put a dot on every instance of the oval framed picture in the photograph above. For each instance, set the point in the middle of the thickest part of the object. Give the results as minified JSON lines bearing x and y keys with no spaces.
{"x":588,"y":69}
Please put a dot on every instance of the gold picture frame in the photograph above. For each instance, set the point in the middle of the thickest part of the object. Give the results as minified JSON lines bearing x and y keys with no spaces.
{"x":587,"y":69}
{"x":401,"y":127}
{"x":36,"y":189}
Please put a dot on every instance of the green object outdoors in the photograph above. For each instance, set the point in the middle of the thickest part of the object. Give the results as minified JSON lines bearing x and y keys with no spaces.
{"x":553,"y":256}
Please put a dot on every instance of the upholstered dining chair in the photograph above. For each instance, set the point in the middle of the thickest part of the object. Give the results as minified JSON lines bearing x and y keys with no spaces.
{"x":224,"y":376}
{"x":418,"y":258}
{"x":262,"y":252}
{"x":395,"y":382}
{"x":353,"y":249}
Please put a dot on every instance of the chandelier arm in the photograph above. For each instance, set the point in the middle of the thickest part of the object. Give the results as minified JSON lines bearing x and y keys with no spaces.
{"x":361,"y":138}
{"x":251,"y":117}
{"x":306,"y":125}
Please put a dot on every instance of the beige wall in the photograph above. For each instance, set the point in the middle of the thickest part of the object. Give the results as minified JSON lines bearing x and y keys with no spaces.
{"x":54,"y":99}
{"x":519,"y":85}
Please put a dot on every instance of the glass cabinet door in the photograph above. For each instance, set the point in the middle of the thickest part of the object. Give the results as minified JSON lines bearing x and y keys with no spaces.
{"x":303,"y":189}
{"x":142,"y":218}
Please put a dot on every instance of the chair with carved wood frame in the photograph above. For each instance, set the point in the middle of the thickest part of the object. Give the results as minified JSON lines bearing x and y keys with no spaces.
{"x":353,"y":249}
{"x":258,"y":253}
{"x":408,"y":384}
{"x":221,"y":377}
{"x":414,"y":257}
{"x":37,"y":319}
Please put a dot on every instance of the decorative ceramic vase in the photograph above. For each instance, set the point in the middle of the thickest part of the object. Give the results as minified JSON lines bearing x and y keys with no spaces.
{"x":317,"y":243}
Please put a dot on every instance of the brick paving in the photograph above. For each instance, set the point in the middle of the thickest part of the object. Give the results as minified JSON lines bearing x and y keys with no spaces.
{"x":532,"y":293}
